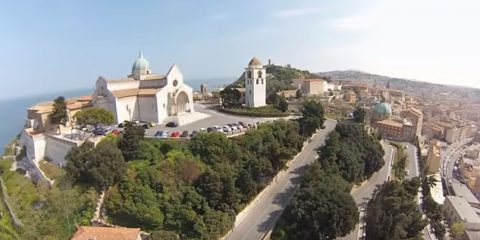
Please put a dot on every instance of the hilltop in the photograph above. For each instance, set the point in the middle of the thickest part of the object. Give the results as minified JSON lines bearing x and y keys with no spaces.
{"x":279,"y":78}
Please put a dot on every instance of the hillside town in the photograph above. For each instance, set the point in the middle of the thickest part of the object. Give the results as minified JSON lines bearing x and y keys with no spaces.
{"x":438,"y":136}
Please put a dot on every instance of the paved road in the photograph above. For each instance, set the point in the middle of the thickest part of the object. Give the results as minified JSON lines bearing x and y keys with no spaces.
{"x":362,"y":193}
{"x":260,"y":217}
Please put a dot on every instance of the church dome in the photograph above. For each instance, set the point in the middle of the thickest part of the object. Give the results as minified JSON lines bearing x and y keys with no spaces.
{"x":383,"y":108}
{"x":141,"y":65}
{"x":255,"y":62}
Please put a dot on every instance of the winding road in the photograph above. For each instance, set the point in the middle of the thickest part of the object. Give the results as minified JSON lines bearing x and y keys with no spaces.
{"x":259,"y":218}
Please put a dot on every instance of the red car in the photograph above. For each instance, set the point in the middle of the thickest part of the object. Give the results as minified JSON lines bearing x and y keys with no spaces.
{"x":116,"y":132}
{"x":175,"y":134}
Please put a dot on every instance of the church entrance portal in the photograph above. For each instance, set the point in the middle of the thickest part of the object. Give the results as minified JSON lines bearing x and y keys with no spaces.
{"x":182,"y":103}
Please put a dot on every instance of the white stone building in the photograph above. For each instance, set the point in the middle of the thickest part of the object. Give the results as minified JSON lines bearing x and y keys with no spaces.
{"x":255,"y":84}
{"x":145,"y":96}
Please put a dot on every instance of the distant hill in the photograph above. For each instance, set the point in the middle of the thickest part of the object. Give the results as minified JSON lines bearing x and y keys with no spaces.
{"x":411,"y":87}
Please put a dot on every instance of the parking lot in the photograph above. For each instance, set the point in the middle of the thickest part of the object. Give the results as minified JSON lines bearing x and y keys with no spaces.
{"x":215,"y":119}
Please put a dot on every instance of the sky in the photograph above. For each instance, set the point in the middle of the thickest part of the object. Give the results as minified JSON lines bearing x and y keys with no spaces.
{"x":63,"y":45}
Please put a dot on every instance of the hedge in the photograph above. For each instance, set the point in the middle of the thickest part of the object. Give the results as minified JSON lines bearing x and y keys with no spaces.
{"x":253,"y":114}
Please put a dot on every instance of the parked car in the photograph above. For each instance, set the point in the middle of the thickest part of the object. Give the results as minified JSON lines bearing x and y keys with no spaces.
{"x":116,"y":132}
{"x":211,"y":129}
{"x":234,"y":127}
{"x":184,"y":134}
{"x":226,"y":129}
{"x":171,"y":124}
{"x":175,"y":134}
{"x":158,"y":134}
{"x":193,"y":134}
{"x":203,"y":129}
{"x":164,"y":134}
{"x":99,"y":131}
{"x":243,"y":124}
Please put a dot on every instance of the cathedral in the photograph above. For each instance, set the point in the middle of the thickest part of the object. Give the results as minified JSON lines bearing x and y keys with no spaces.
{"x":145,"y":96}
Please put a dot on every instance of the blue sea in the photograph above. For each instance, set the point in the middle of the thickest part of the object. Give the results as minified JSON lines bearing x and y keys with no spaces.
{"x":14,"y":111}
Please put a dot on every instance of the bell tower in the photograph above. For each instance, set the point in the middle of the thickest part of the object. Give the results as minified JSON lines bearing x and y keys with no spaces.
{"x":255,"y":84}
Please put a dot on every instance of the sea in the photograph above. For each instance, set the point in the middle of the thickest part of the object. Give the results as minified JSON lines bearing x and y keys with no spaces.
{"x":14,"y":111}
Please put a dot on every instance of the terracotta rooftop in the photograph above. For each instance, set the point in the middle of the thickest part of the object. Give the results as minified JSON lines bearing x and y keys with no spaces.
{"x":106,"y":233}
{"x":255,"y":62}
{"x":121,"y":80}
{"x":135,"y":92}
{"x":390,"y":122}
{"x":72,"y":103}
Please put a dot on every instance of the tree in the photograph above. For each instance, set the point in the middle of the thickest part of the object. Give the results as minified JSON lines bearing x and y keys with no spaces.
{"x":322,"y":208}
{"x":101,"y":166}
{"x":359,"y":115}
{"x":230,"y":97}
{"x":313,"y":117}
{"x":393,"y":212}
{"x":164,"y":235}
{"x":458,"y":230}
{"x":130,"y":143}
{"x":298,"y":94}
{"x":94,"y":116}
{"x":282,"y":104}
{"x":59,"y":115}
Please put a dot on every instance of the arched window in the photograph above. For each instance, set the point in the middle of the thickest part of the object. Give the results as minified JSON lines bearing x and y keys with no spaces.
{"x":249,"y":74}
{"x":257,"y":81}
{"x":259,"y":74}
{"x":262,"y":80}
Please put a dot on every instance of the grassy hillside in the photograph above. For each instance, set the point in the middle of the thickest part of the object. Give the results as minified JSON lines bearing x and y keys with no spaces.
{"x":279,"y":78}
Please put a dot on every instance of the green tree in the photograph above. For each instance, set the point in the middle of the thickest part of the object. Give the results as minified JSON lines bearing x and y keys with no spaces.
{"x":130,"y":143}
{"x":282,"y":104}
{"x":298,"y":94}
{"x":393,"y":212}
{"x":230,"y":97}
{"x":101,"y":166}
{"x":164,"y":235}
{"x":322,"y":208}
{"x":359,"y":115}
{"x":458,"y":230}
{"x":313,"y":117}
{"x":94,"y":116}
{"x":59,"y":115}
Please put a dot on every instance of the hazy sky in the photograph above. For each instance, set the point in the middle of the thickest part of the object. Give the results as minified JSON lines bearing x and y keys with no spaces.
{"x":56,"y":45}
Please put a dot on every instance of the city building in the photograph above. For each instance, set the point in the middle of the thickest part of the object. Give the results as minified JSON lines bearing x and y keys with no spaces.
{"x":350,"y":96}
{"x":106,"y":233}
{"x":145,"y":96}
{"x":416,"y":118}
{"x":461,"y":190}
{"x":37,"y":115}
{"x":255,"y":84}
{"x":391,"y":127}
{"x":457,"y":209}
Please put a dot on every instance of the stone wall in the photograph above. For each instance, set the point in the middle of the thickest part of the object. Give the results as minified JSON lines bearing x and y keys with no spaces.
{"x":57,"y":148}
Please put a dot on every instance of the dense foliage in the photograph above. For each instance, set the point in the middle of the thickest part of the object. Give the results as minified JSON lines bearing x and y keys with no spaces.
{"x":278,"y":101}
{"x":393,"y":212}
{"x":279,"y":78}
{"x":195,"y":189}
{"x":94,"y":116}
{"x":230,"y":97}
{"x":313,"y":117}
{"x":49,"y":212}
{"x":359,"y":115}
{"x":59,"y":115}
{"x":322,"y":208}
{"x":353,"y":152}
{"x":131,"y":139}
{"x":99,"y":166}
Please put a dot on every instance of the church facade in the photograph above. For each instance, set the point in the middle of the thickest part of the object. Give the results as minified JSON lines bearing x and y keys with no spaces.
{"x":145,"y":96}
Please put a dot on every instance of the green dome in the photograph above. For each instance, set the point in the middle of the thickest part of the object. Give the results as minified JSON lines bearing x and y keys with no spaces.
{"x":141,"y":65}
{"x":383,"y":108}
